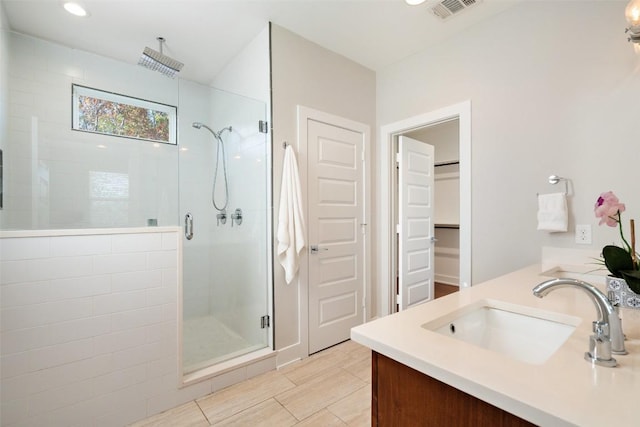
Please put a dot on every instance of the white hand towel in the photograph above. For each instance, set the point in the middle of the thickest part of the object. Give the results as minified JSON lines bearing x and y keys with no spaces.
{"x":291,"y":227}
{"x":553,"y":214}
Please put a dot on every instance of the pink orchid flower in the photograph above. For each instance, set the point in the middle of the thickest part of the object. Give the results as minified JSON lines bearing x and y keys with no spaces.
{"x":607,"y":208}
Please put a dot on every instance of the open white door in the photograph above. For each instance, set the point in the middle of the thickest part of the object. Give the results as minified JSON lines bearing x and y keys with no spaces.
{"x":415,"y":216}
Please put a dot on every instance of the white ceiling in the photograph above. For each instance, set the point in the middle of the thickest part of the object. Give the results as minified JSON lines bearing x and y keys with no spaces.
{"x":206,"y":34}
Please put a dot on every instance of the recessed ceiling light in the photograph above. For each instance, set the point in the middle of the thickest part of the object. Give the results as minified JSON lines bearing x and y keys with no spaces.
{"x":75,"y":8}
{"x":414,"y":2}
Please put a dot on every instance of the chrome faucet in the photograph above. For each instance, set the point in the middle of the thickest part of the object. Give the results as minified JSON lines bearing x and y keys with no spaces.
{"x":608,"y":336}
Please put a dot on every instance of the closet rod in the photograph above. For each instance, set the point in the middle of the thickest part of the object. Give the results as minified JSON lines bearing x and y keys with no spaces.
{"x":455,"y":162}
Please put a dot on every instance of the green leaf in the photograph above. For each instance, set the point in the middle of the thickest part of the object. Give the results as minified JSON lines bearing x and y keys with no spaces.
{"x":617,"y":260}
{"x":632,"y":277}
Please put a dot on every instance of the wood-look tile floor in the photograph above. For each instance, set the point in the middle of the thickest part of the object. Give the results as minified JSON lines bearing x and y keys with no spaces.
{"x":329,"y":388}
{"x":442,"y":290}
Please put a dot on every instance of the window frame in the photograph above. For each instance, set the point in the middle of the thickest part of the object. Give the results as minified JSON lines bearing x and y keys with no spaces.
{"x":79,"y":90}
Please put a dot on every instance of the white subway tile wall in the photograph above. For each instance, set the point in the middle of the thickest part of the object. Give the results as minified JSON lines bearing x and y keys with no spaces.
{"x":50,"y":169}
{"x":84,"y":321}
{"x":89,"y":330}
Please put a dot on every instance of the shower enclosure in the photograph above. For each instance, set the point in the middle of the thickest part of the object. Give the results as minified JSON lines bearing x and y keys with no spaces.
{"x":224,"y":204}
{"x":56,"y":178}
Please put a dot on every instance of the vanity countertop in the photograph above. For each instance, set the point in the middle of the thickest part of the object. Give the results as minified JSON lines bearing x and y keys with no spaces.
{"x":564,"y":390}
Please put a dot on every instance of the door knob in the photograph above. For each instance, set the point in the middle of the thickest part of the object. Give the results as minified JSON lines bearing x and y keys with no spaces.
{"x":315,"y":249}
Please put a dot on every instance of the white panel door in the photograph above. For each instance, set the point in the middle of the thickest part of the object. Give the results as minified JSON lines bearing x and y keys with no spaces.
{"x":415,"y":242}
{"x":336,"y":242}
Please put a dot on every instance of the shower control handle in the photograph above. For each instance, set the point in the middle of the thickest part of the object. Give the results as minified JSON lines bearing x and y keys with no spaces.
{"x":188,"y":226}
{"x":221,"y":217}
{"x":236,"y":217}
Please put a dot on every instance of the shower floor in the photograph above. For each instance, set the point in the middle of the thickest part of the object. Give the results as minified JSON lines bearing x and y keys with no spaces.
{"x":207,"y":341}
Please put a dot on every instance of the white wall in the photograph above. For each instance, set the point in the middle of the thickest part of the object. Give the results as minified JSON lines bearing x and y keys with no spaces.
{"x":553,"y":89}
{"x":88,"y":328}
{"x":248,"y":74}
{"x":306,"y":74}
{"x":4,"y":88}
{"x":48,"y":165}
{"x":444,"y":138}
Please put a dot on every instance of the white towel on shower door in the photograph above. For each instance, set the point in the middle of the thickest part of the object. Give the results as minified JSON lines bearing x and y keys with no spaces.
{"x":553,"y":214}
{"x":291,"y":227}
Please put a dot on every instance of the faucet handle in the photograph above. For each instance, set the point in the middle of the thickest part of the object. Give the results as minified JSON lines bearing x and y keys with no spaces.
{"x":601,"y":329}
{"x":222,"y":217}
{"x":236,"y":217}
{"x":600,"y":346}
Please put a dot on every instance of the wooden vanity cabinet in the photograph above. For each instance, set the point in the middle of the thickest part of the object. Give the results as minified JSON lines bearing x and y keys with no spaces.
{"x":404,"y":397}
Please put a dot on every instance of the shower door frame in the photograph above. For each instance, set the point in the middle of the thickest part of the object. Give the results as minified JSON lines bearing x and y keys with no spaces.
{"x":267,"y":351}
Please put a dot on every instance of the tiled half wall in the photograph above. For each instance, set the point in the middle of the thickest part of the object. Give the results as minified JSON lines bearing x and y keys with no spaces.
{"x":89,"y":328}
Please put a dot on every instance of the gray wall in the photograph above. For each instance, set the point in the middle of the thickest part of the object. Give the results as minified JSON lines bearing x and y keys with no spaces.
{"x":306,"y":74}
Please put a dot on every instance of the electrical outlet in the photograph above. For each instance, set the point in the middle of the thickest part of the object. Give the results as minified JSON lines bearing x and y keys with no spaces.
{"x":583,"y":234}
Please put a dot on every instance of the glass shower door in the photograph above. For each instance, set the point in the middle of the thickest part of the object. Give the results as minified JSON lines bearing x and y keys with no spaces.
{"x":225,"y":265}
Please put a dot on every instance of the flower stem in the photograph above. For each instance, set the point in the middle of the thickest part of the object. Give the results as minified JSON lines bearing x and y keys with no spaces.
{"x":626,"y":244}
{"x":632,"y":225}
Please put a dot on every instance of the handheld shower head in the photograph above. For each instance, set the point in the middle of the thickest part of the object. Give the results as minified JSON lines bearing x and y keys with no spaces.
{"x":199,"y":125}
{"x":220,"y":156}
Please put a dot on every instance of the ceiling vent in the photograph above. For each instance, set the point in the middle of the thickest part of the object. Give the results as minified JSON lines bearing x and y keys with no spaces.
{"x":447,"y":8}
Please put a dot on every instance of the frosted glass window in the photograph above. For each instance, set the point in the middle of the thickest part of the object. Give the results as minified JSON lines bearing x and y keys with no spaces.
{"x":109,"y":185}
{"x":109,"y":113}
{"x":109,"y":196}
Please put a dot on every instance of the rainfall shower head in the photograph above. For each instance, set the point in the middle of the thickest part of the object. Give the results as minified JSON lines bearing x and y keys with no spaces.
{"x":157,"y":61}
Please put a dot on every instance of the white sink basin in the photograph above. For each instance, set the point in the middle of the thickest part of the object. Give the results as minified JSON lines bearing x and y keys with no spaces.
{"x":520,"y":332}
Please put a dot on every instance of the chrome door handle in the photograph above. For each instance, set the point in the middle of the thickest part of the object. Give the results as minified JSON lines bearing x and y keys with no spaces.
{"x":315,"y":249}
{"x":188,"y":226}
